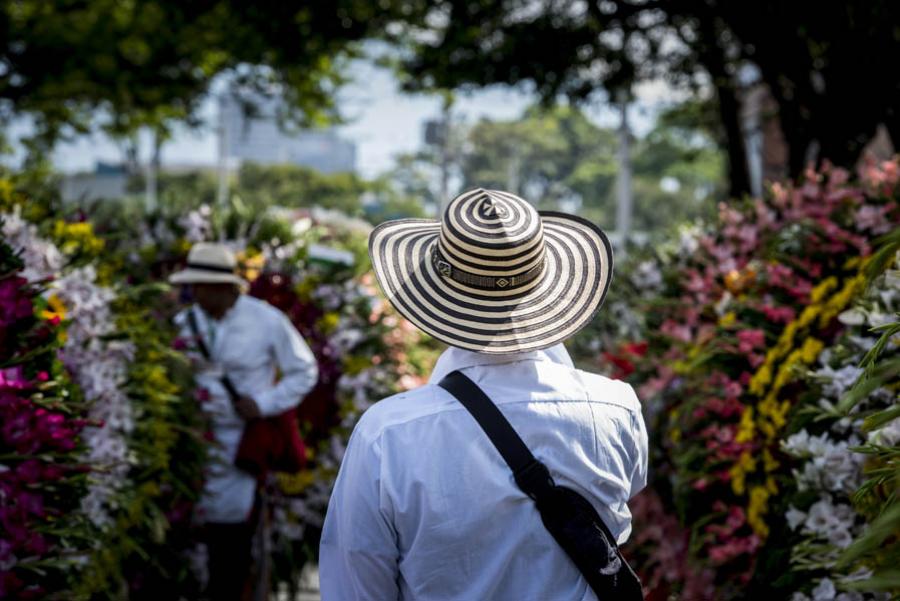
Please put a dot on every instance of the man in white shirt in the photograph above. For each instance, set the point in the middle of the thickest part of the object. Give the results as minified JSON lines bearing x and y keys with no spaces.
{"x":424,"y":506}
{"x":252,"y":343}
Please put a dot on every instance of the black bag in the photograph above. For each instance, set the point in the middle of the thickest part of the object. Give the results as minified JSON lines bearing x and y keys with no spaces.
{"x":569,"y":517}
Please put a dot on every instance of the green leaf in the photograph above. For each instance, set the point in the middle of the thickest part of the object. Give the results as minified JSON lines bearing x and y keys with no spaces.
{"x":876,"y":420}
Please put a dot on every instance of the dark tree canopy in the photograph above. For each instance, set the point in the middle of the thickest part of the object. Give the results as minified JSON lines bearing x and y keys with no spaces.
{"x":829,"y":65}
{"x":150,"y":61}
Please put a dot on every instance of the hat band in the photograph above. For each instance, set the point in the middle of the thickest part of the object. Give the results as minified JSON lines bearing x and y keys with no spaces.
{"x":210,"y":267}
{"x":485,"y":282}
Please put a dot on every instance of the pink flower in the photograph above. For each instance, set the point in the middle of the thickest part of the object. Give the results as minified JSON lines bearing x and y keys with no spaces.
{"x":14,"y":303}
{"x":29,"y":471}
{"x":676,"y":330}
{"x":12,"y":377}
{"x":749,"y":340}
{"x":873,"y":218}
{"x":779,"y":314}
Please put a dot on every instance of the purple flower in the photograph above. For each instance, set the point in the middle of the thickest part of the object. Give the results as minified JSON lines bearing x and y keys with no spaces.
{"x":29,"y":471}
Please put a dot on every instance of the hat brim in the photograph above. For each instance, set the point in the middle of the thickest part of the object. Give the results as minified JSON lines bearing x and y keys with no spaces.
{"x":199,"y":276}
{"x":576,"y":276}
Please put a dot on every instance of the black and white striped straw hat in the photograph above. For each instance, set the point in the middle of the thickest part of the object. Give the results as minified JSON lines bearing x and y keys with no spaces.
{"x":495,"y":275}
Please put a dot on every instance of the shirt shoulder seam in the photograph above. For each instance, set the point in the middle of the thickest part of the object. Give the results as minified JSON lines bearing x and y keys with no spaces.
{"x":383,"y":427}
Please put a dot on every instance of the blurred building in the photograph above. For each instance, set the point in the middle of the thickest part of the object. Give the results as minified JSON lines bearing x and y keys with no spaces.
{"x":258,"y":136}
{"x":107,"y":181}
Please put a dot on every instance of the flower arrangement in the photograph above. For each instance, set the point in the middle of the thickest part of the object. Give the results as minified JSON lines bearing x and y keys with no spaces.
{"x":42,"y":477}
{"x":742,"y":311}
{"x":122,"y":371}
{"x":830,"y":452}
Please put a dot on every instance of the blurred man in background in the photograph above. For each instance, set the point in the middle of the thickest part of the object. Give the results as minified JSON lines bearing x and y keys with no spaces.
{"x":241,"y":345}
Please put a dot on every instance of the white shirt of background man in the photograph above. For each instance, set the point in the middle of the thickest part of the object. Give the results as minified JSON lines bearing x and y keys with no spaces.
{"x":252,"y":343}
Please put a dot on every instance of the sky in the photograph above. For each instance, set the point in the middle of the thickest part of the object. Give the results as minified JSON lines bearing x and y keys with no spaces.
{"x":383,"y":121}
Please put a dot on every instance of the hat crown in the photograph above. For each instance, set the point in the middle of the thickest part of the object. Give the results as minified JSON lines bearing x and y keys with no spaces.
{"x":490,"y":234}
{"x":211,"y":254}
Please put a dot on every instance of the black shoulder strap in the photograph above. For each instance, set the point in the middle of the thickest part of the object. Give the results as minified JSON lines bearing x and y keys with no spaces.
{"x":204,"y":350}
{"x":531,"y":475}
{"x":535,"y":480}
{"x":195,"y":331}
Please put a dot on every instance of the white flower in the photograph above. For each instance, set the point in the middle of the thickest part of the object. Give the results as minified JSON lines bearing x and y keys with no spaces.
{"x":853,"y":317}
{"x":196,"y":224}
{"x":825,"y":591}
{"x":794,"y":517}
{"x":647,"y":276}
{"x":42,"y":258}
{"x":346,"y":338}
{"x":886,"y":436}
{"x":836,"y":382}
{"x":688,"y":240}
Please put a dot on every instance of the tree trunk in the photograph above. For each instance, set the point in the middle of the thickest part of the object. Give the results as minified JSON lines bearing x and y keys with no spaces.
{"x":712,"y":57}
{"x":738,"y":169}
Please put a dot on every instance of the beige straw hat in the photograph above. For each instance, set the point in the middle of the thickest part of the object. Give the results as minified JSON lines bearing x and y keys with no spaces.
{"x":494,"y":275}
{"x":209,"y":263}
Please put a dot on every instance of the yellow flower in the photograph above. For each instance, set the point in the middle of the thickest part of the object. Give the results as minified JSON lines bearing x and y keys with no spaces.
{"x":329,"y":321}
{"x":839,"y":301}
{"x":182,"y":246}
{"x":728,"y":319}
{"x":6,"y":193}
{"x":77,"y":237}
{"x":811,"y":349}
{"x":760,"y":379}
{"x":746,"y":464}
{"x":355,"y":364}
{"x":294,"y":484}
{"x":675,"y":435}
{"x":251,"y":263}
{"x":823,"y":288}
{"x":736,"y":281}
{"x":807,"y":316}
{"x":757,"y":509}
{"x":746,"y":427}
{"x":56,"y":308}
{"x":770,"y":464}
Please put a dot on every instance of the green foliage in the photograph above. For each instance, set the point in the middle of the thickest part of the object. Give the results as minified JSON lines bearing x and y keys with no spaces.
{"x":258,"y":187}
{"x":558,"y":159}
{"x":800,"y":52}
{"x":546,"y":156}
{"x":151,"y":62}
{"x":879,"y":545}
{"x":293,"y":186}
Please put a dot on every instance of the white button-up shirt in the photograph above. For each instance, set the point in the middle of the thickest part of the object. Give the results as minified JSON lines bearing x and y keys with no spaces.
{"x":252,"y":343}
{"x":425,"y":508}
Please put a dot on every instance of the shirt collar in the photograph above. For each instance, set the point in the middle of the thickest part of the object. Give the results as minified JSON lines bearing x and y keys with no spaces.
{"x":455,"y":358}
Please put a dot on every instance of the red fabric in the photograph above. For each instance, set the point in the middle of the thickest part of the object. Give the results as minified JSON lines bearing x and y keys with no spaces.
{"x":272,"y":444}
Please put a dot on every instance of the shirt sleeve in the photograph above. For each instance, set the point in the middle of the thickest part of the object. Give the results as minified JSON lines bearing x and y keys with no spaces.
{"x":358,"y":554}
{"x":299,"y":371}
{"x":639,"y":469}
